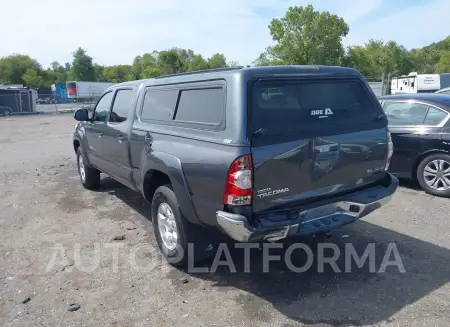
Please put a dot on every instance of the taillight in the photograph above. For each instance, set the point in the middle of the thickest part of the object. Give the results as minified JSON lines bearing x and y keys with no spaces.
{"x":390,"y":150}
{"x":238,"y":188}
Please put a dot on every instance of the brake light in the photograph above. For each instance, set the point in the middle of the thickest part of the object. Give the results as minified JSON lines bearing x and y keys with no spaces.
{"x":390,"y":150}
{"x":238,"y":188}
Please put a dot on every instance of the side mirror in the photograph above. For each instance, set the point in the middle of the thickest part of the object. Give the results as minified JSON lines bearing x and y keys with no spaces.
{"x":81,"y":115}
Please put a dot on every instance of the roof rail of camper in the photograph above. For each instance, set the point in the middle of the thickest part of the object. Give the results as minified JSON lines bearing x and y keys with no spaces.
{"x":202,"y":71}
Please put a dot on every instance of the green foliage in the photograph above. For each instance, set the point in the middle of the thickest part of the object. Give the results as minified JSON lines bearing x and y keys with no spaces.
{"x":217,"y":60}
{"x":32,"y":78}
{"x":82,"y":66}
{"x":117,"y":74}
{"x":13,"y":67}
{"x":55,"y":74}
{"x":197,"y":62}
{"x":305,"y":36}
{"x":443,"y":66}
{"x":376,"y":57}
{"x":100,"y":73}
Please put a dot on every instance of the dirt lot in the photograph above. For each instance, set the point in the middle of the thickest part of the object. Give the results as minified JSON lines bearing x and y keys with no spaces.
{"x":48,"y":220}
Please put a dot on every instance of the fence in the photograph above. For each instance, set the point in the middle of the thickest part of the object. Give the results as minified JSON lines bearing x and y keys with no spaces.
{"x":381,"y":86}
{"x":62,"y":103}
{"x":23,"y":101}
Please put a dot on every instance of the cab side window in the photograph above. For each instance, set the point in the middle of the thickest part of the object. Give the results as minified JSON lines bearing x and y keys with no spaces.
{"x":101,"y":113}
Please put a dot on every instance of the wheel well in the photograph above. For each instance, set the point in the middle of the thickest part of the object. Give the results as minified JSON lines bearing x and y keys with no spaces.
{"x":420,"y":158}
{"x":76,"y":145}
{"x":152,"y":180}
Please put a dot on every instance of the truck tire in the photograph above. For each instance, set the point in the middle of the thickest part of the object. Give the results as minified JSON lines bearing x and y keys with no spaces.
{"x":176,"y":237}
{"x":89,"y":176}
{"x":433,"y":174}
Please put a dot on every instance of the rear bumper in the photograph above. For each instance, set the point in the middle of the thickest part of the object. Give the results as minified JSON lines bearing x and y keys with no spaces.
{"x":309,"y":219}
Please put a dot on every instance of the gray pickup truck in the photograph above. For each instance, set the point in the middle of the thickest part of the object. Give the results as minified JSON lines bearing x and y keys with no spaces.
{"x":258,"y":154}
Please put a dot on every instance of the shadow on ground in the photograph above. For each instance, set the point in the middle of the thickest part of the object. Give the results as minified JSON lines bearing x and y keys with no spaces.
{"x":354,"y":297}
{"x":132,"y":198}
{"x":410,"y":184}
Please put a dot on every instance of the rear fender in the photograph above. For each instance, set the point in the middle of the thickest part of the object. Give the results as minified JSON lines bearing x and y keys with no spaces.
{"x":171,"y":166}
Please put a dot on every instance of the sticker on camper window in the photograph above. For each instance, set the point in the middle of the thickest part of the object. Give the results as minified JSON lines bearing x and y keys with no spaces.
{"x":322,"y":113}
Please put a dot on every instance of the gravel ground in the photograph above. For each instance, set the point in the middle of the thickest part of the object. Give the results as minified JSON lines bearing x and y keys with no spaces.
{"x":57,"y":263}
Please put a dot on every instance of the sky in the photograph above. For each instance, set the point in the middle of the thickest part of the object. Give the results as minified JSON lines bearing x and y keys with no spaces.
{"x":115,"y":31}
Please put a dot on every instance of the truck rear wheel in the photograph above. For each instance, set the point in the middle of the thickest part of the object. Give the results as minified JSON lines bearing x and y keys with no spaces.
{"x":176,"y":237}
{"x":89,"y":176}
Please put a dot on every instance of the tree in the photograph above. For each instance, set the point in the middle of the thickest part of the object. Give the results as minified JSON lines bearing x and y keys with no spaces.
{"x":359,"y":58}
{"x":151,"y":72}
{"x":82,"y":66}
{"x":147,"y":61}
{"x":136,"y":67}
{"x":55,"y":65}
{"x":13,"y":67}
{"x":170,"y":61}
{"x":197,"y":62}
{"x":118,"y":73}
{"x":266,"y":59}
{"x":306,"y":36}
{"x":376,"y":57}
{"x":217,"y":60}
{"x":185,"y":57}
{"x":443,"y":66}
{"x":32,"y":78}
{"x":99,"y":73}
{"x":233,"y":64}
{"x":54,"y":76}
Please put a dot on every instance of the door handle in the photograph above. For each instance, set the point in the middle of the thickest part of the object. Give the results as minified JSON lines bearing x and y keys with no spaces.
{"x":327,"y":148}
{"x":100,"y":135}
{"x":121,"y":139}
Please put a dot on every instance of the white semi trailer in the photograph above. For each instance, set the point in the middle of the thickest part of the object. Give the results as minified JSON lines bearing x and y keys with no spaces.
{"x":86,"y":91}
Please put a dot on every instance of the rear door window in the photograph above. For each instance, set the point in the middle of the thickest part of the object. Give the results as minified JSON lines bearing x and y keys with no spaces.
{"x":405,"y":113}
{"x":289,"y":106}
{"x":435,"y":116}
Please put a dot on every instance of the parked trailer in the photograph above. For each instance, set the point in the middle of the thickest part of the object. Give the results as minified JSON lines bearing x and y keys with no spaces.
{"x":419,"y":83}
{"x":86,"y":91}
{"x":17,"y":101}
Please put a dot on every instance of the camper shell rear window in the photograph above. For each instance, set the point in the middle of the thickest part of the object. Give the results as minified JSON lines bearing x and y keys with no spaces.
{"x":284,"y":106}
